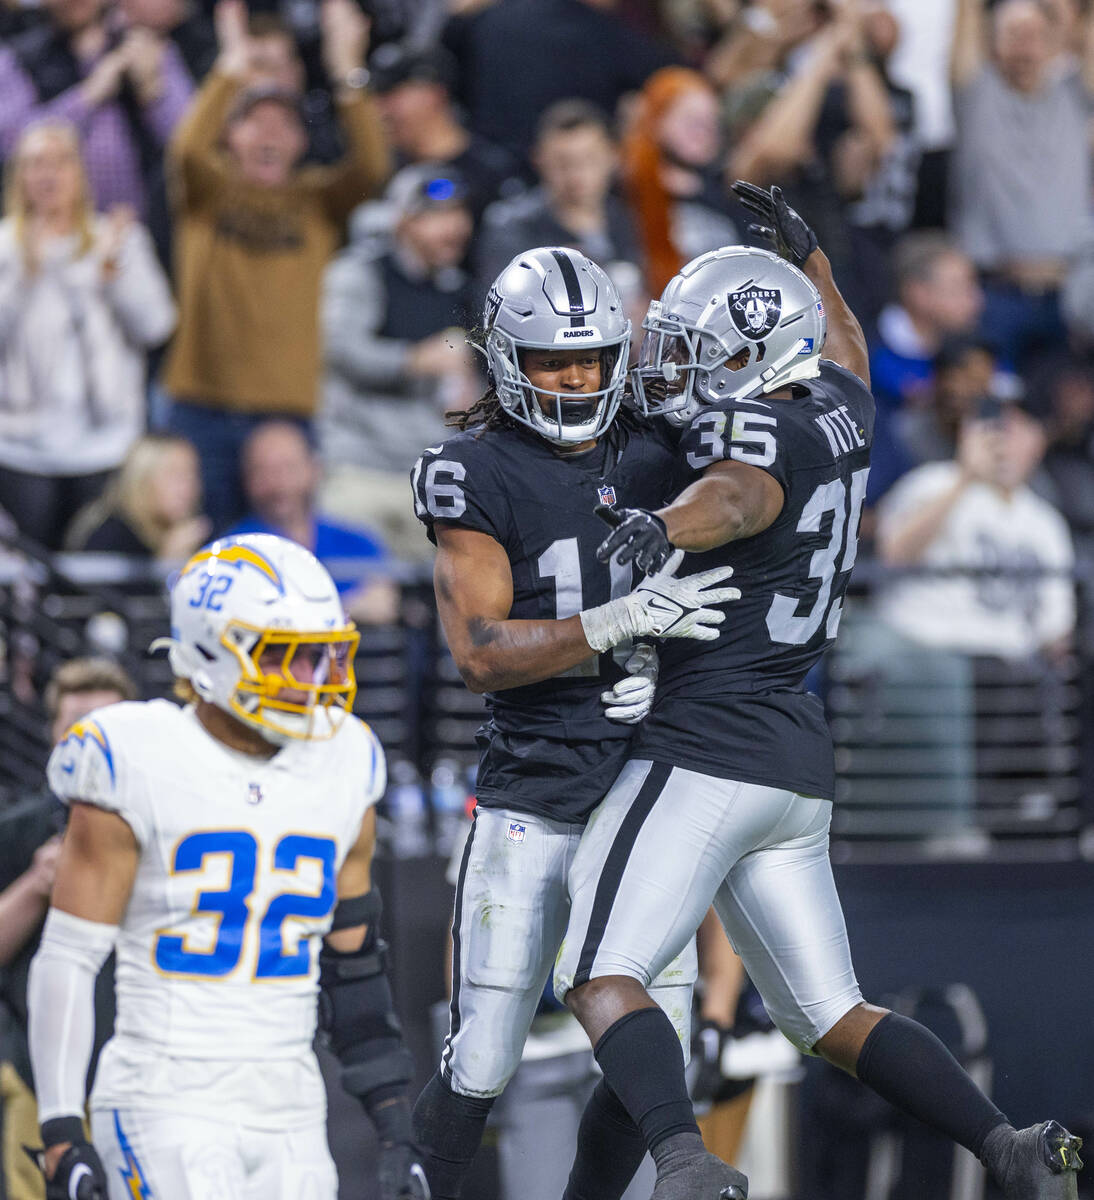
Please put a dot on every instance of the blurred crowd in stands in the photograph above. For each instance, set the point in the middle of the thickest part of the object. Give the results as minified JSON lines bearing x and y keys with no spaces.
{"x":244,"y":248}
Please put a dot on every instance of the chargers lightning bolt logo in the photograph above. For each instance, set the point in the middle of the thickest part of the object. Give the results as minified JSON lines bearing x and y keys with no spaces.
{"x":81,"y":733}
{"x":233,"y":554}
{"x":132,"y":1174}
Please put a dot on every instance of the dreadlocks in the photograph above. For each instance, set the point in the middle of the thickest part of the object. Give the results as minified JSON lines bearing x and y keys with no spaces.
{"x":486,"y":412}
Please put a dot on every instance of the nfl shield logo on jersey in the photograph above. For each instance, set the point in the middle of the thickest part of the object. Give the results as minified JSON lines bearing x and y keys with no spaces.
{"x":516,"y":832}
{"x":606,"y":494}
{"x":254,"y":793}
{"x":755,"y":311}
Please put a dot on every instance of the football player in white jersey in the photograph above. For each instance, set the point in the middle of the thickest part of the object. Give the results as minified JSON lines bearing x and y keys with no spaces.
{"x":224,"y":851}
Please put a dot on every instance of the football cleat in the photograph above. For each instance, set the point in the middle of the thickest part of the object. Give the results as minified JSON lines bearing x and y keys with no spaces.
{"x":1038,"y":1163}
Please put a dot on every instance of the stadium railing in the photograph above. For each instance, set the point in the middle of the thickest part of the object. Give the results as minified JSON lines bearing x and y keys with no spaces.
{"x":936,"y":756}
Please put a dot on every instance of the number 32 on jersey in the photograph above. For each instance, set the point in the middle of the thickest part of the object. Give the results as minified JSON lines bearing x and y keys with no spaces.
{"x":230,"y":906}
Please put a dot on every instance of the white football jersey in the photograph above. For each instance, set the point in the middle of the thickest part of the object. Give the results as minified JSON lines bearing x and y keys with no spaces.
{"x":217,"y":953}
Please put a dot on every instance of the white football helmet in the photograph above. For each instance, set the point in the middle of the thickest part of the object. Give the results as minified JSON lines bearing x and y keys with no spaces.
{"x":721,"y":305}
{"x":258,"y":629}
{"x":553,"y":298}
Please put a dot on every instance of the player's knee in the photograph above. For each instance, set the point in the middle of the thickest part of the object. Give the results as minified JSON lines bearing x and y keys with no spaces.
{"x":599,"y":1002}
{"x":485,"y":1080}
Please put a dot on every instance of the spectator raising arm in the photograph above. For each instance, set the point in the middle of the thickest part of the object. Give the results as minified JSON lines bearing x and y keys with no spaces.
{"x":867,"y":99}
{"x":195,"y":155}
{"x":1087,"y":72}
{"x":155,"y":69}
{"x":366,"y":164}
{"x":969,"y":42}
{"x":782,"y":137}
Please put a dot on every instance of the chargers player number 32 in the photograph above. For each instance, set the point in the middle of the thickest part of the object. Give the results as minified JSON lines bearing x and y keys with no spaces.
{"x":231,"y":905}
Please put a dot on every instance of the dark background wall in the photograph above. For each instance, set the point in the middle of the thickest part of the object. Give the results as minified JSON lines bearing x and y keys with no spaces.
{"x":1020,"y":935}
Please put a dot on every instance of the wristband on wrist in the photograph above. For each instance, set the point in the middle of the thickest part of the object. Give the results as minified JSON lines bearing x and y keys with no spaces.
{"x":62,"y":1129}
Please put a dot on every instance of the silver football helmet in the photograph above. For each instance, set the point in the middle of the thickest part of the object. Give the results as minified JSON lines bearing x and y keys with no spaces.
{"x":555,"y":298}
{"x":736,"y":301}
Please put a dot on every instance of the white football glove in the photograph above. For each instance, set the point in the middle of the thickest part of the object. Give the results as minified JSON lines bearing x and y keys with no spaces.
{"x":632,"y":697}
{"x":662,"y":606}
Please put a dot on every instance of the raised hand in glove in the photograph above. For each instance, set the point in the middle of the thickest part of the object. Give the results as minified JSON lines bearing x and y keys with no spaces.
{"x":78,"y":1175}
{"x":779,"y":223}
{"x":638,"y":536}
{"x":632,"y":697}
{"x":401,"y":1174}
{"x":662,"y":606}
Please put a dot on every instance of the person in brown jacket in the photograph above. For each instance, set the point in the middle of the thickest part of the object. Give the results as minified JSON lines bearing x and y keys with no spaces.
{"x":254,"y":231}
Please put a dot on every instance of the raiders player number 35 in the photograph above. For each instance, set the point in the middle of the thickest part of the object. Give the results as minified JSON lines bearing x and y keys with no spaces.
{"x":727,"y":796}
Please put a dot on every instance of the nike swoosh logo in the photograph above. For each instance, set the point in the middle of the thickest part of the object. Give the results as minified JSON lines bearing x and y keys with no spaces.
{"x":68,"y":768}
{"x":660,"y":606}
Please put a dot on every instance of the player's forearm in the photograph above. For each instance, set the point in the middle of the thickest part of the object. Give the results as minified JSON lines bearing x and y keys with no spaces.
{"x":498,"y":654}
{"x":845,"y":343}
{"x":61,"y":1010}
{"x":22,"y":908}
{"x":708,"y":513}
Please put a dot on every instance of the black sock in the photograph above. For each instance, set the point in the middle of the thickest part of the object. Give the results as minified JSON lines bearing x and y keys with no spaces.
{"x":609,"y":1149}
{"x":908,"y":1066}
{"x":448,"y":1128}
{"x":642,"y":1061}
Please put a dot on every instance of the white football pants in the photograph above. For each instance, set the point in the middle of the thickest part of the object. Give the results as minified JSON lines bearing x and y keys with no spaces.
{"x":665,"y":844}
{"x":512,"y":906}
{"x":164,"y":1157}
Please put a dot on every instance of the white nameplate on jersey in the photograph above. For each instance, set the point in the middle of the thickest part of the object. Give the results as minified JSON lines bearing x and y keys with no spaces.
{"x":579,"y":333}
{"x":841,"y":431}
{"x":516,"y":832}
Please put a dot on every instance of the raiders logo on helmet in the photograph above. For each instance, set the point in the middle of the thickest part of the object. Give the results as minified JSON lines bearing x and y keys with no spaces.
{"x":755,"y":311}
{"x":493,"y":303}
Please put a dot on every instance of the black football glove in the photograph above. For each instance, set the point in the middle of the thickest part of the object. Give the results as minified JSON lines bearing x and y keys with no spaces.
{"x":638,"y":536}
{"x":781,"y":225}
{"x":402,"y":1176}
{"x":79,"y":1174}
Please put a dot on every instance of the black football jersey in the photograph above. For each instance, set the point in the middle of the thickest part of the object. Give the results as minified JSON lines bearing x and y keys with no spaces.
{"x":737,"y":707}
{"x":547,"y":747}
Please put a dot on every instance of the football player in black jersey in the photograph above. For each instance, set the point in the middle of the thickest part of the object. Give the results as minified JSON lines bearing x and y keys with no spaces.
{"x":535,"y":621}
{"x":727,"y":795}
